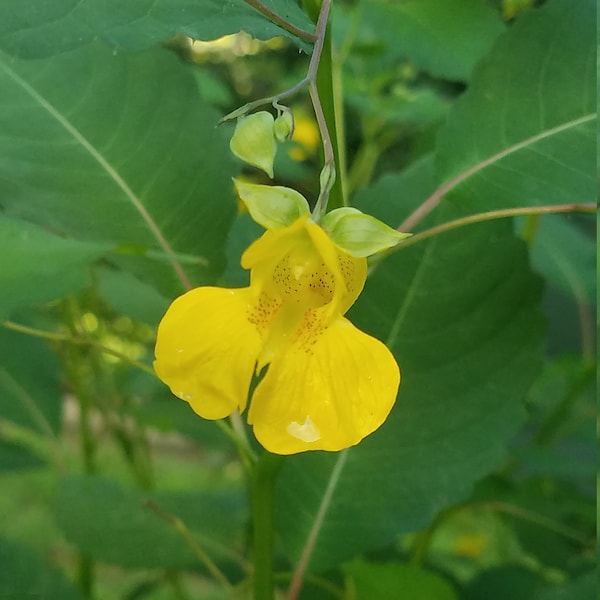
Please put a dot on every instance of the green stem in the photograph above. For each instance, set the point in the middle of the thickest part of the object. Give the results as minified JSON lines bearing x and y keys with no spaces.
{"x":263,"y":488}
{"x":181,"y":528}
{"x":75,"y":339}
{"x":307,"y":36}
{"x":85,"y":575}
{"x":327,"y":103}
{"x":492,"y":215}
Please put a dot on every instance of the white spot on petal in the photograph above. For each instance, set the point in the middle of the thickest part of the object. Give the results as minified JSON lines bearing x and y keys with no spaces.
{"x":307,"y":432}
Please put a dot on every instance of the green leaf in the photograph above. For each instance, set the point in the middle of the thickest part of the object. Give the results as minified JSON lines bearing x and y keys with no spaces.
{"x":132,"y":159}
{"x":582,"y":588}
{"x":130,"y":296}
{"x":524,"y":132}
{"x":443,"y":37}
{"x":26,"y":576}
{"x":514,"y":582}
{"x":358,"y":234}
{"x":382,"y":582}
{"x":460,"y":313}
{"x":38,"y":266}
{"x":272,"y":206}
{"x":116,"y":525}
{"x":39,"y":28}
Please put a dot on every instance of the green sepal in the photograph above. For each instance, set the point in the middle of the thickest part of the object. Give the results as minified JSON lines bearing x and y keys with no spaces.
{"x":272,"y":206}
{"x":358,"y":234}
{"x":254,"y":141}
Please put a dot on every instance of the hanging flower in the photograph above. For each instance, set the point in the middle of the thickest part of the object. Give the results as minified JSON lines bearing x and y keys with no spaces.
{"x":322,"y":383}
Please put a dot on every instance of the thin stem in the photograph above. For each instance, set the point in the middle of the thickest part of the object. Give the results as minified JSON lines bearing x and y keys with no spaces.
{"x":281,"y":22}
{"x":263,"y":490}
{"x":326,"y":104}
{"x":492,"y":215}
{"x":316,"y":79}
{"x":181,"y":528}
{"x":430,"y":203}
{"x":71,"y":339}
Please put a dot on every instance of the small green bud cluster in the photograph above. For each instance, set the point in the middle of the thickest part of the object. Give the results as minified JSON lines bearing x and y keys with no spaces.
{"x":255,"y":142}
{"x":255,"y":137}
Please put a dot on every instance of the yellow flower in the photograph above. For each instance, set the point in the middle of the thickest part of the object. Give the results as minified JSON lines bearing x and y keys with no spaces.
{"x":327,"y":384}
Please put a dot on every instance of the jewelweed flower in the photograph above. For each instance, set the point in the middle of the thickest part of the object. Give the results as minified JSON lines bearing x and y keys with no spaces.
{"x":322,"y":383}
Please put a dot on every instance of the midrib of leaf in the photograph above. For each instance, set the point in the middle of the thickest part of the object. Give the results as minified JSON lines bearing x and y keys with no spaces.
{"x":110,"y":170}
{"x":430,"y":203}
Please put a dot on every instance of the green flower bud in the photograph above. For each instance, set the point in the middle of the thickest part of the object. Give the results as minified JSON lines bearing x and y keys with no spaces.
{"x":254,"y":142}
{"x":284,"y":126}
{"x":358,"y":234}
{"x":272,"y":206}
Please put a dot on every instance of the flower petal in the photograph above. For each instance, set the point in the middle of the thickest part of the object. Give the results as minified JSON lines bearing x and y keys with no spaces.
{"x":326,"y":397}
{"x":206,"y":350}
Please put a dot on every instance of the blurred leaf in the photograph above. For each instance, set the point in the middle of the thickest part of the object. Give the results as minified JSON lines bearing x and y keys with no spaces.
{"x":115,"y":525}
{"x":566,"y":256}
{"x":106,"y":165}
{"x":40,"y":28}
{"x":29,"y":398}
{"x":26,"y":576}
{"x":582,"y":588}
{"x":16,"y":456}
{"x":38,"y":266}
{"x":460,"y":314}
{"x":516,"y":583}
{"x":470,"y":539}
{"x":412,"y":107}
{"x":382,"y":582}
{"x":29,"y":394}
{"x":130,"y":296}
{"x":524,"y":132}
{"x":444,"y":37}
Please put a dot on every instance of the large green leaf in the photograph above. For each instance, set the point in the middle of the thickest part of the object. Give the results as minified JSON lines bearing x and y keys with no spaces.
{"x":40,"y":28}
{"x":524,"y":132}
{"x":460,"y":314}
{"x":386,"y":581}
{"x":444,"y":37}
{"x":117,"y":148}
{"x":27,"y":576}
{"x":117,"y":525}
{"x":38,"y":266}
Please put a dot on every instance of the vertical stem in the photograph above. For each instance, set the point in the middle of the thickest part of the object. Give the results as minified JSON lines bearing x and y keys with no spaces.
{"x":327,"y":97}
{"x":263,"y":487}
{"x":326,"y":101}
